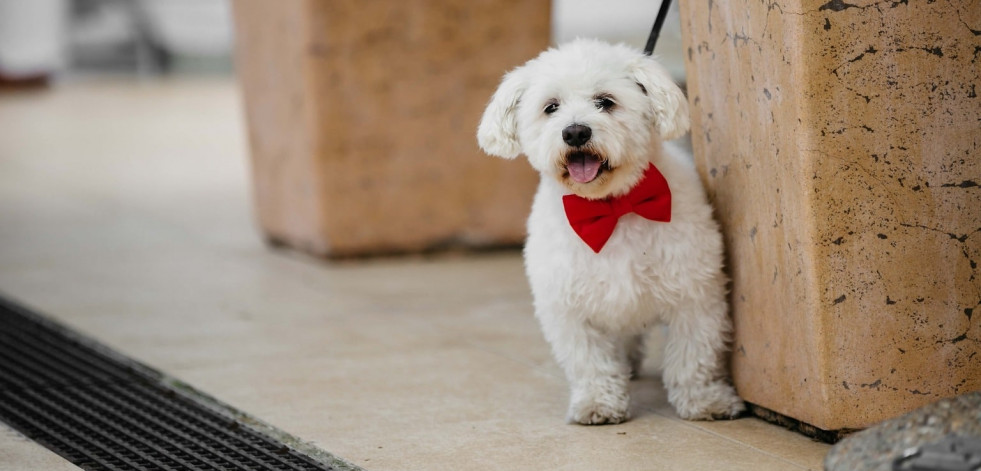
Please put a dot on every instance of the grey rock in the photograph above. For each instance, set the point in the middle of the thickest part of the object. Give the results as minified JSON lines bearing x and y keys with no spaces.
{"x":876,"y":448}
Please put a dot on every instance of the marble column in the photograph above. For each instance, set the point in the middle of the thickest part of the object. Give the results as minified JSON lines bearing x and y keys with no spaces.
{"x":840,"y":142}
{"x":362,"y":117}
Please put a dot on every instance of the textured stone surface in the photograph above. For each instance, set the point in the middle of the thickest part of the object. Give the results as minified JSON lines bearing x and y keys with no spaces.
{"x":875,"y":449}
{"x":362,"y":117}
{"x":840,"y":144}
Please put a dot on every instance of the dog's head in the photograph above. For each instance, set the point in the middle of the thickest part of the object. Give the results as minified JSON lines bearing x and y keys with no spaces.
{"x":586,"y":113}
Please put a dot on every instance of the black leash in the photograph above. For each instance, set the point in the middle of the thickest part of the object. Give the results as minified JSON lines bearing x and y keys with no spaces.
{"x":662,"y":13}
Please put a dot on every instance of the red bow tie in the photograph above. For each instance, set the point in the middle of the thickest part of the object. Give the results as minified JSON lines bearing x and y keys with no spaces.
{"x":594,"y":220}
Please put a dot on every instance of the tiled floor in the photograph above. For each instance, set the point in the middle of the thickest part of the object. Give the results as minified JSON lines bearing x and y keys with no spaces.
{"x":125,"y":213}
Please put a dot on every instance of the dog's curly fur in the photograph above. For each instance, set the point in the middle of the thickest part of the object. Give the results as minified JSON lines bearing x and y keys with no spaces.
{"x":595,"y":308}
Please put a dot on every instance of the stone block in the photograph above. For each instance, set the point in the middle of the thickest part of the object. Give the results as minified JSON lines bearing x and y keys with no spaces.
{"x":362,"y":116}
{"x":840,"y":142}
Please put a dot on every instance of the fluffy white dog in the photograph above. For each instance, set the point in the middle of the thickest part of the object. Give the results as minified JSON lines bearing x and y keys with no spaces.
{"x":621,"y":236}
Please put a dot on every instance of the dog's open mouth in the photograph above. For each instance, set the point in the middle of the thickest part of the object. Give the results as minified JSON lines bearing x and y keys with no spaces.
{"x":584,"y":167}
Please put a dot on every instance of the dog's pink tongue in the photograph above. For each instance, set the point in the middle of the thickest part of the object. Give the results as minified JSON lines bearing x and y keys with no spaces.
{"x":583,"y":168}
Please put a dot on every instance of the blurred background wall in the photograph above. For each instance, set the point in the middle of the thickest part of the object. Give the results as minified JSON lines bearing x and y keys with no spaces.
{"x":52,"y":37}
{"x":48,"y":39}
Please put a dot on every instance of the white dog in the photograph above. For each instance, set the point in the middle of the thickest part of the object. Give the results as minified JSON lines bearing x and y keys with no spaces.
{"x":591,"y":118}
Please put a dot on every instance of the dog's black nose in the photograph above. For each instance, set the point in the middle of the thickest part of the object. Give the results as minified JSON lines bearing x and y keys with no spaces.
{"x":576,"y":135}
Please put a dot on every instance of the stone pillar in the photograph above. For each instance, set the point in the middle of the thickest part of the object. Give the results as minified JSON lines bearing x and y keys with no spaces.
{"x":362,"y":117}
{"x":840,"y":142}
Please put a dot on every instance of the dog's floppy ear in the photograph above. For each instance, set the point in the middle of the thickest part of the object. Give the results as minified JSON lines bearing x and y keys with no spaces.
{"x":668,"y":102}
{"x":497,"y":133}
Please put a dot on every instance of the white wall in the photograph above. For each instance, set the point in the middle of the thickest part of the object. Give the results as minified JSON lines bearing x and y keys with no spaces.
{"x":627,"y":21}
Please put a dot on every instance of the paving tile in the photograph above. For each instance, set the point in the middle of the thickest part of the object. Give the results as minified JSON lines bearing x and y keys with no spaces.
{"x":452,"y":407}
{"x":19,"y":453}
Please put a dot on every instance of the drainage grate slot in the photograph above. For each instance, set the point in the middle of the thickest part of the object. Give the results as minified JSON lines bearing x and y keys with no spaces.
{"x":103,"y":413}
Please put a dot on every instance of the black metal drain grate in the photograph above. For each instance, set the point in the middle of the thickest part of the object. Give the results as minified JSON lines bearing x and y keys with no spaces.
{"x":102,"y":413}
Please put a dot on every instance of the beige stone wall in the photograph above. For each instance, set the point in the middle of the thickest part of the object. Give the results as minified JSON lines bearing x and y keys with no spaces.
{"x":362,"y":118}
{"x":841,"y":144}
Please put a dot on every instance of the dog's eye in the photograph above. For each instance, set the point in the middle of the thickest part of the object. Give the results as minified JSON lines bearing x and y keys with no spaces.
{"x":605,"y":103}
{"x":551,"y":108}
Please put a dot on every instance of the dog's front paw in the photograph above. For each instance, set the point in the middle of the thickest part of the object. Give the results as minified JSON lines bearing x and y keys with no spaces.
{"x":599,"y":404}
{"x":713,"y":401}
{"x":597,"y":413}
